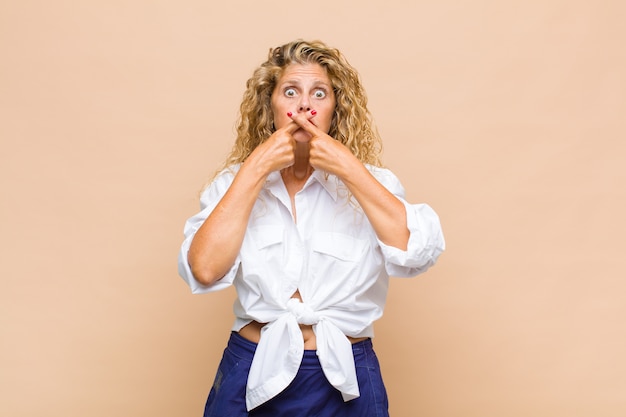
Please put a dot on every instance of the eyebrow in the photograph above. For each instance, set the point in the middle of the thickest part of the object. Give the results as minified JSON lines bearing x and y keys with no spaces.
{"x":297,"y":82}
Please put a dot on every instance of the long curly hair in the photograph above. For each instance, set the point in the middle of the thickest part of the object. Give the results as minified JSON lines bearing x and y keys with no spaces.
{"x":351,"y":122}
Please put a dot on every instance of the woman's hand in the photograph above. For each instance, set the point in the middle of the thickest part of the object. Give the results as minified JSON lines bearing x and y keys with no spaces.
{"x":277,"y":152}
{"x":325,"y":153}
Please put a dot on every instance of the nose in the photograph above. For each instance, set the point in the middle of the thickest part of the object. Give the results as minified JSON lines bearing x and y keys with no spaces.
{"x":304,"y":105}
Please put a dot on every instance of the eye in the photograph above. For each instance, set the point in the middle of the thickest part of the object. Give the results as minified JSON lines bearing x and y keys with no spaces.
{"x":290,"y":92}
{"x":319,"y":94}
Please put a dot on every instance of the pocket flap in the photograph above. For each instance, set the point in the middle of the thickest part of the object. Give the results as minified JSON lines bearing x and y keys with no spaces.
{"x":340,"y":246}
{"x":265,"y":236}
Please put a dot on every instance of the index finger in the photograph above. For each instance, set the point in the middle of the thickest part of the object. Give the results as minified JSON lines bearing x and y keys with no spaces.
{"x":291,"y":127}
{"x":303,"y":120}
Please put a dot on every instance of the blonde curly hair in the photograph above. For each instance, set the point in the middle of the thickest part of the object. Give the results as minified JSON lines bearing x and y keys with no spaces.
{"x":351,"y":122}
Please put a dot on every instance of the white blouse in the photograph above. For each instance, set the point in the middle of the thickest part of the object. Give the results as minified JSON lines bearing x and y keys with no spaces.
{"x":332,"y":256}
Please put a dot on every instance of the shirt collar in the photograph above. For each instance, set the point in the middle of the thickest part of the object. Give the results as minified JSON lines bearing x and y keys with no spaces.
{"x":329,"y":182}
{"x":273,"y":181}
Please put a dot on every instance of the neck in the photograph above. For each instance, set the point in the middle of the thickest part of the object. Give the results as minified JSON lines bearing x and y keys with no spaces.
{"x":298,"y":171}
{"x":301,"y":169}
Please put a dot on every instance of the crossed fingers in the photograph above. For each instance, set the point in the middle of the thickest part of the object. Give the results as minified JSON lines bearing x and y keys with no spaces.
{"x":303,"y":121}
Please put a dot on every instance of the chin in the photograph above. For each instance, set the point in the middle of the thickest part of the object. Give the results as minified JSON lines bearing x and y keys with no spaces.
{"x":301,"y":136}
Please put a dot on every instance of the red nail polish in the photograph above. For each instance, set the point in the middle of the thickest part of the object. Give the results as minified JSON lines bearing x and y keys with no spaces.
{"x":313,"y":112}
{"x":289,"y":114}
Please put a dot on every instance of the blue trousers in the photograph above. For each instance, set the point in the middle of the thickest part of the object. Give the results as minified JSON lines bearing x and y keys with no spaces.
{"x":309,"y":395}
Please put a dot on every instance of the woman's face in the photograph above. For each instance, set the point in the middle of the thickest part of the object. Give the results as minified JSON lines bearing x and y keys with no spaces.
{"x":302,"y":88}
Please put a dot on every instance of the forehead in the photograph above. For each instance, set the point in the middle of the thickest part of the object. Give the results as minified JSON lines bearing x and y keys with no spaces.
{"x":309,"y":72}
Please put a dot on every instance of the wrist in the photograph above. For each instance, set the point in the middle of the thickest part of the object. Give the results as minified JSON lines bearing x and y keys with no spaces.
{"x":351,"y":171}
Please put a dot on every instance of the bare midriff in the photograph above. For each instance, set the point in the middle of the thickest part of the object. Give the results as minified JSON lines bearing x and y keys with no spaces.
{"x":252,"y":332}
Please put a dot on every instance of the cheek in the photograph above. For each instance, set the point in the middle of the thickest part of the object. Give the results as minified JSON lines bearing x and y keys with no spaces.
{"x":331,"y":111}
{"x":280,"y":119}
{"x":279,"y":115}
{"x":329,"y":118}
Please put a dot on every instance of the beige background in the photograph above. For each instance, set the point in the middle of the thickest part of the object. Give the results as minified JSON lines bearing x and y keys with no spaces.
{"x":507,"y":117}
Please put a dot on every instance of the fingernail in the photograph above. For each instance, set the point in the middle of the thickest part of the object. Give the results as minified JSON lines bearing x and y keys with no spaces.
{"x":313,"y":112}
{"x":289,"y":114}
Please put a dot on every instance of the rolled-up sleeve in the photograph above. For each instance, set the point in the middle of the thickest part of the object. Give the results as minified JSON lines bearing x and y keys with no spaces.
{"x":426,"y":241}
{"x":208,"y":200}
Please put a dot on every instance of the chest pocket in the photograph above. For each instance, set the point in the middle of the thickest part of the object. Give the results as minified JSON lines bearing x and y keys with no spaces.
{"x":265,"y":236}
{"x":335,"y":264}
{"x":262,"y":253}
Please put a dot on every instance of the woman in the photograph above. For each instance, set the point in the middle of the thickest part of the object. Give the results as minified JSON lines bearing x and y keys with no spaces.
{"x":308,"y":227}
